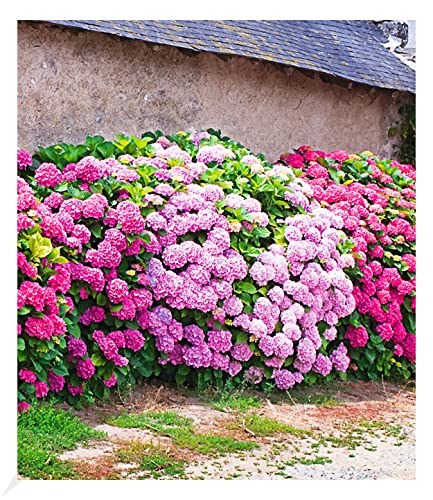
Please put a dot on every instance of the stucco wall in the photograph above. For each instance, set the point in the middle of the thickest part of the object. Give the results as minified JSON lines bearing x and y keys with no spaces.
{"x":77,"y":83}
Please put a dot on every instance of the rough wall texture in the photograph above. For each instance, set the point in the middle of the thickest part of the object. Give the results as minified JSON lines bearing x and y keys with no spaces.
{"x":77,"y":83}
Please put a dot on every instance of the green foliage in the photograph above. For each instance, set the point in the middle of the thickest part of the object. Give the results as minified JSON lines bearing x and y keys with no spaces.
{"x":263,"y":426}
{"x":406,"y":130}
{"x":43,"y":432}
{"x":182,"y":431}
{"x":235,"y":402}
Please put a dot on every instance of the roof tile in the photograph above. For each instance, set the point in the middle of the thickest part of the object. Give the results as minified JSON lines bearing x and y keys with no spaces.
{"x":352,"y":49}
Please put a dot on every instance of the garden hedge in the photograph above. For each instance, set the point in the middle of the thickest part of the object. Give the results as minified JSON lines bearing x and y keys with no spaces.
{"x":187,"y":257}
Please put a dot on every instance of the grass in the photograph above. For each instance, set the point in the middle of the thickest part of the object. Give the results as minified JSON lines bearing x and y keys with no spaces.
{"x":156,"y":461}
{"x":182,"y":432}
{"x":43,"y":433}
{"x":235,"y":402}
{"x":357,"y":434}
{"x":307,"y":461}
{"x":263,"y":426}
{"x":163,"y":421}
{"x":324,"y":400}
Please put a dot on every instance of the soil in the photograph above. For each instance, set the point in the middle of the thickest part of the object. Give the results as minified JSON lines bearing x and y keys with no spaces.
{"x":357,"y":430}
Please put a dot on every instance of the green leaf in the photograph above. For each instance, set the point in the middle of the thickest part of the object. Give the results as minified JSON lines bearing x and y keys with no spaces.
{"x":242,"y":337}
{"x":92,"y":141}
{"x":376,"y":339}
{"x":22,"y":356}
{"x":61,"y":188}
{"x":39,"y":247}
{"x":61,"y":370}
{"x":145,"y":237}
{"x":141,"y":143}
{"x":21,"y":345}
{"x":218,"y":325}
{"x":243,"y":286}
{"x":146,"y":371}
{"x":179,"y":378}
{"x":98,"y":359}
{"x":261,"y":232}
{"x":74,"y":330}
{"x":24,"y":310}
{"x":183,"y":370}
{"x":107,"y":149}
{"x":370,"y":355}
{"x":96,"y":230}
{"x":73,"y":191}
{"x":101,"y":299}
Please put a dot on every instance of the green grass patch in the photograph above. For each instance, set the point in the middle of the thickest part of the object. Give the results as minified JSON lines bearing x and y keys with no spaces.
{"x":209,"y":444}
{"x":236,"y":402}
{"x":182,"y":432}
{"x":155,"y":460}
{"x":160,"y":420}
{"x":263,"y":426}
{"x":359,"y":434}
{"x":43,"y":433}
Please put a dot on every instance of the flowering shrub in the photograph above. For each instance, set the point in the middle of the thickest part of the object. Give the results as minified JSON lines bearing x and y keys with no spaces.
{"x":178,"y":256}
{"x":42,"y":306}
{"x":376,"y":200}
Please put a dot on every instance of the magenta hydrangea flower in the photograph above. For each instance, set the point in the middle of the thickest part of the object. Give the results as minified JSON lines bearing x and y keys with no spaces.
{"x":134,"y":339}
{"x":56,"y":382}
{"x":85,"y":368}
{"x":234,"y":368}
{"x":117,"y":290}
{"x":41,"y":389}
{"x":75,"y":390}
{"x":357,"y":336}
{"x":111,"y":382}
{"x":23,"y":406}
{"x":48,"y":175}
{"x":27,"y":375}
{"x":77,"y":347}
{"x":24,"y":159}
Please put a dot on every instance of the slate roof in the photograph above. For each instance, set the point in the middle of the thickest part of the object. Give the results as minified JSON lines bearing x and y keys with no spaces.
{"x":352,"y":50}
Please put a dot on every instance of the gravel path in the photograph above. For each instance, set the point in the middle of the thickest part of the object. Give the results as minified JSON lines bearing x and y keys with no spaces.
{"x":369,"y":433}
{"x":385,"y":461}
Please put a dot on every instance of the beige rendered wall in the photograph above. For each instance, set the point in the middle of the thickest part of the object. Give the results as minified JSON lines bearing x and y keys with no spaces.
{"x":75,"y":83}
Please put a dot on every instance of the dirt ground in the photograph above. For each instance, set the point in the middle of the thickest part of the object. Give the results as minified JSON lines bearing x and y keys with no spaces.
{"x":353,"y":430}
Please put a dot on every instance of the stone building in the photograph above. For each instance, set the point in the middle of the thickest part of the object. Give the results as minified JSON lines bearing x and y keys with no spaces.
{"x":271,"y":85}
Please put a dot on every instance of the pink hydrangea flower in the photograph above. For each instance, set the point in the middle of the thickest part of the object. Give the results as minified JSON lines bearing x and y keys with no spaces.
{"x":48,"y":175}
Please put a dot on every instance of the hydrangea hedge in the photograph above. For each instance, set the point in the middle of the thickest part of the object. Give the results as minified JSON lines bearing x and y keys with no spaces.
{"x":186,"y":256}
{"x":377,"y":201}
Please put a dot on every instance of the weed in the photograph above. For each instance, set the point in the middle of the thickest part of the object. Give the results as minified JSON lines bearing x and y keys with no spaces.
{"x":236,"y":402}
{"x":181,"y":430}
{"x":159,"y":420}
{"x":154,"y":459}
{"x":162,"y":465}
{"x":44,"y":432}
{"x":315,"y":461}
{"x":263,"y":426}
{"x":210,"y":444}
